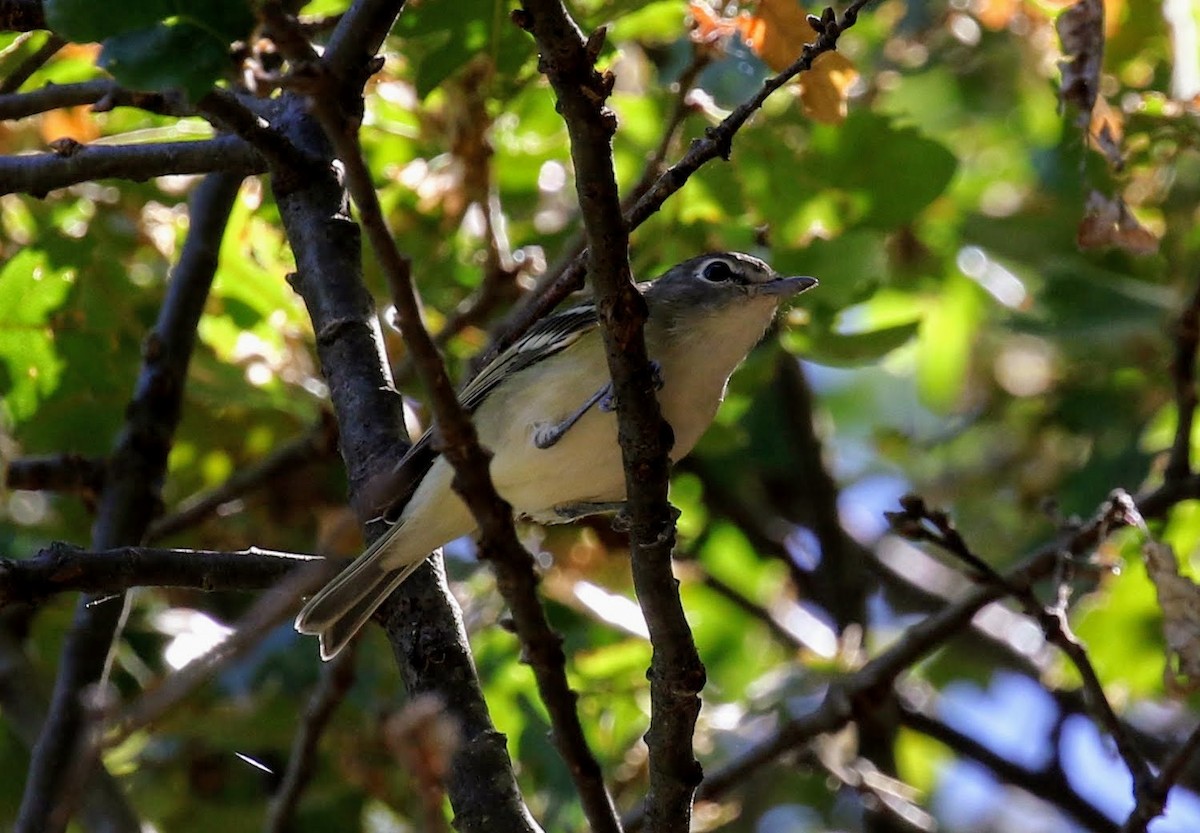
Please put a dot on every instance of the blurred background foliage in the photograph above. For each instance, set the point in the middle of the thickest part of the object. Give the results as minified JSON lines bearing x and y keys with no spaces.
{"x":962,"y":345}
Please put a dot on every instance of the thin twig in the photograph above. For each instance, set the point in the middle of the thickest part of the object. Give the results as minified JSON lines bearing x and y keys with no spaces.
{"x":1153,"y":800}
{"x":859,"y":689}
{"x":317,"y":443}
{"x":922,"y":523}
{"x":268,"y":612}
{"x":1050,"y":783}
{"x":36,"y":60}
{"x":717,"y":143}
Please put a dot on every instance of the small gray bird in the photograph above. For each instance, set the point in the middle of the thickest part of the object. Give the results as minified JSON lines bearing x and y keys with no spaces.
{"x":544,"y":407}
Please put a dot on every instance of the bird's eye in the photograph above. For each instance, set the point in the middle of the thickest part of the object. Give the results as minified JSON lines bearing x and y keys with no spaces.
{"x":718,"y":271}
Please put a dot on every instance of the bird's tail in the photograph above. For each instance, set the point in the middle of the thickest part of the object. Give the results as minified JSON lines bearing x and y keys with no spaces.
{"x":345,"y":604}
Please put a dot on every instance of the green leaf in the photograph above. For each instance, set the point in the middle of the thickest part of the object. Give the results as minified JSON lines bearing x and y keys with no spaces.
{"x":661,"y":21}
{"x":849,"y":267}
{"x":78,"y":20}
{"x":947,"y":334}
{"x":163,"y":57}
{"x":895,"y":171}
{"x":849,"y":349}
{"x":30,"y":292}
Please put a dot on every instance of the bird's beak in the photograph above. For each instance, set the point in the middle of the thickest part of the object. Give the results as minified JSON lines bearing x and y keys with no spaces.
{"x":785,"y":287}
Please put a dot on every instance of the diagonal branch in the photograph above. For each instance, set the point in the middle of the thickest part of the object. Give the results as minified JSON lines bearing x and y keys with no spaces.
{"x":36,"y":60}
{"x":422,"y":621}
{"x":318,"y":443}
{"x":676,"y":672}
{"x":516,"y":575}
{"x":858,"y":689}
{"x":717,"y":143}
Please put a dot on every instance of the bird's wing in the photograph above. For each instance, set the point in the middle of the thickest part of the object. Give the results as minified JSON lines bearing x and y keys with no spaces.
{"x":551,"y":335}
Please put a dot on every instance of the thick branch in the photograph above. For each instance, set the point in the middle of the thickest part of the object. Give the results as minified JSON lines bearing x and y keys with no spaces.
{"x":61,"y":567}
{"x":422,"y":620}
{"x":39,"y":174}
{"x":131,"y":491}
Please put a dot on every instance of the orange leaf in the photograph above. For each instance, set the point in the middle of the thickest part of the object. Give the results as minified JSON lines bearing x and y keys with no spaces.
{"x":824,"y":88}
{"x":777,"y":31}
{"x":709,"y":25}
{"x":69,"y":123}
{"x":995,"y":14}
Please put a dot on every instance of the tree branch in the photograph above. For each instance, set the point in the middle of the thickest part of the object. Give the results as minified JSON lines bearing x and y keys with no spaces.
{"x":717,"y":142}
{"x":131,"y":490}
{"x":13,"y":81}
{"x":1153,"y":800}
{"x":39,"y":174}
{"x":60,"y":568}
{"x":422,"y":620}
{"x":1050,"y":783}
{"x":104,"y":93}
{"x":515,"y":570}
{"x":676,"y":672}
{"x":56,"y":473}
{"x":317,"y":443}
{"x":103,"y":808}
{"x":337,"y":676}
{"x":921,"y":523}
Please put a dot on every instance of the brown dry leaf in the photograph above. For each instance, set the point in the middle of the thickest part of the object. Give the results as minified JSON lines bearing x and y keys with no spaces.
{"x":1081,"y":30}
{"x":69,"y":123}
{"x":1179,"y":598}
{"x":1109,"y":222}
{"x":1107,"y":129}
{"x":777,"y":31}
